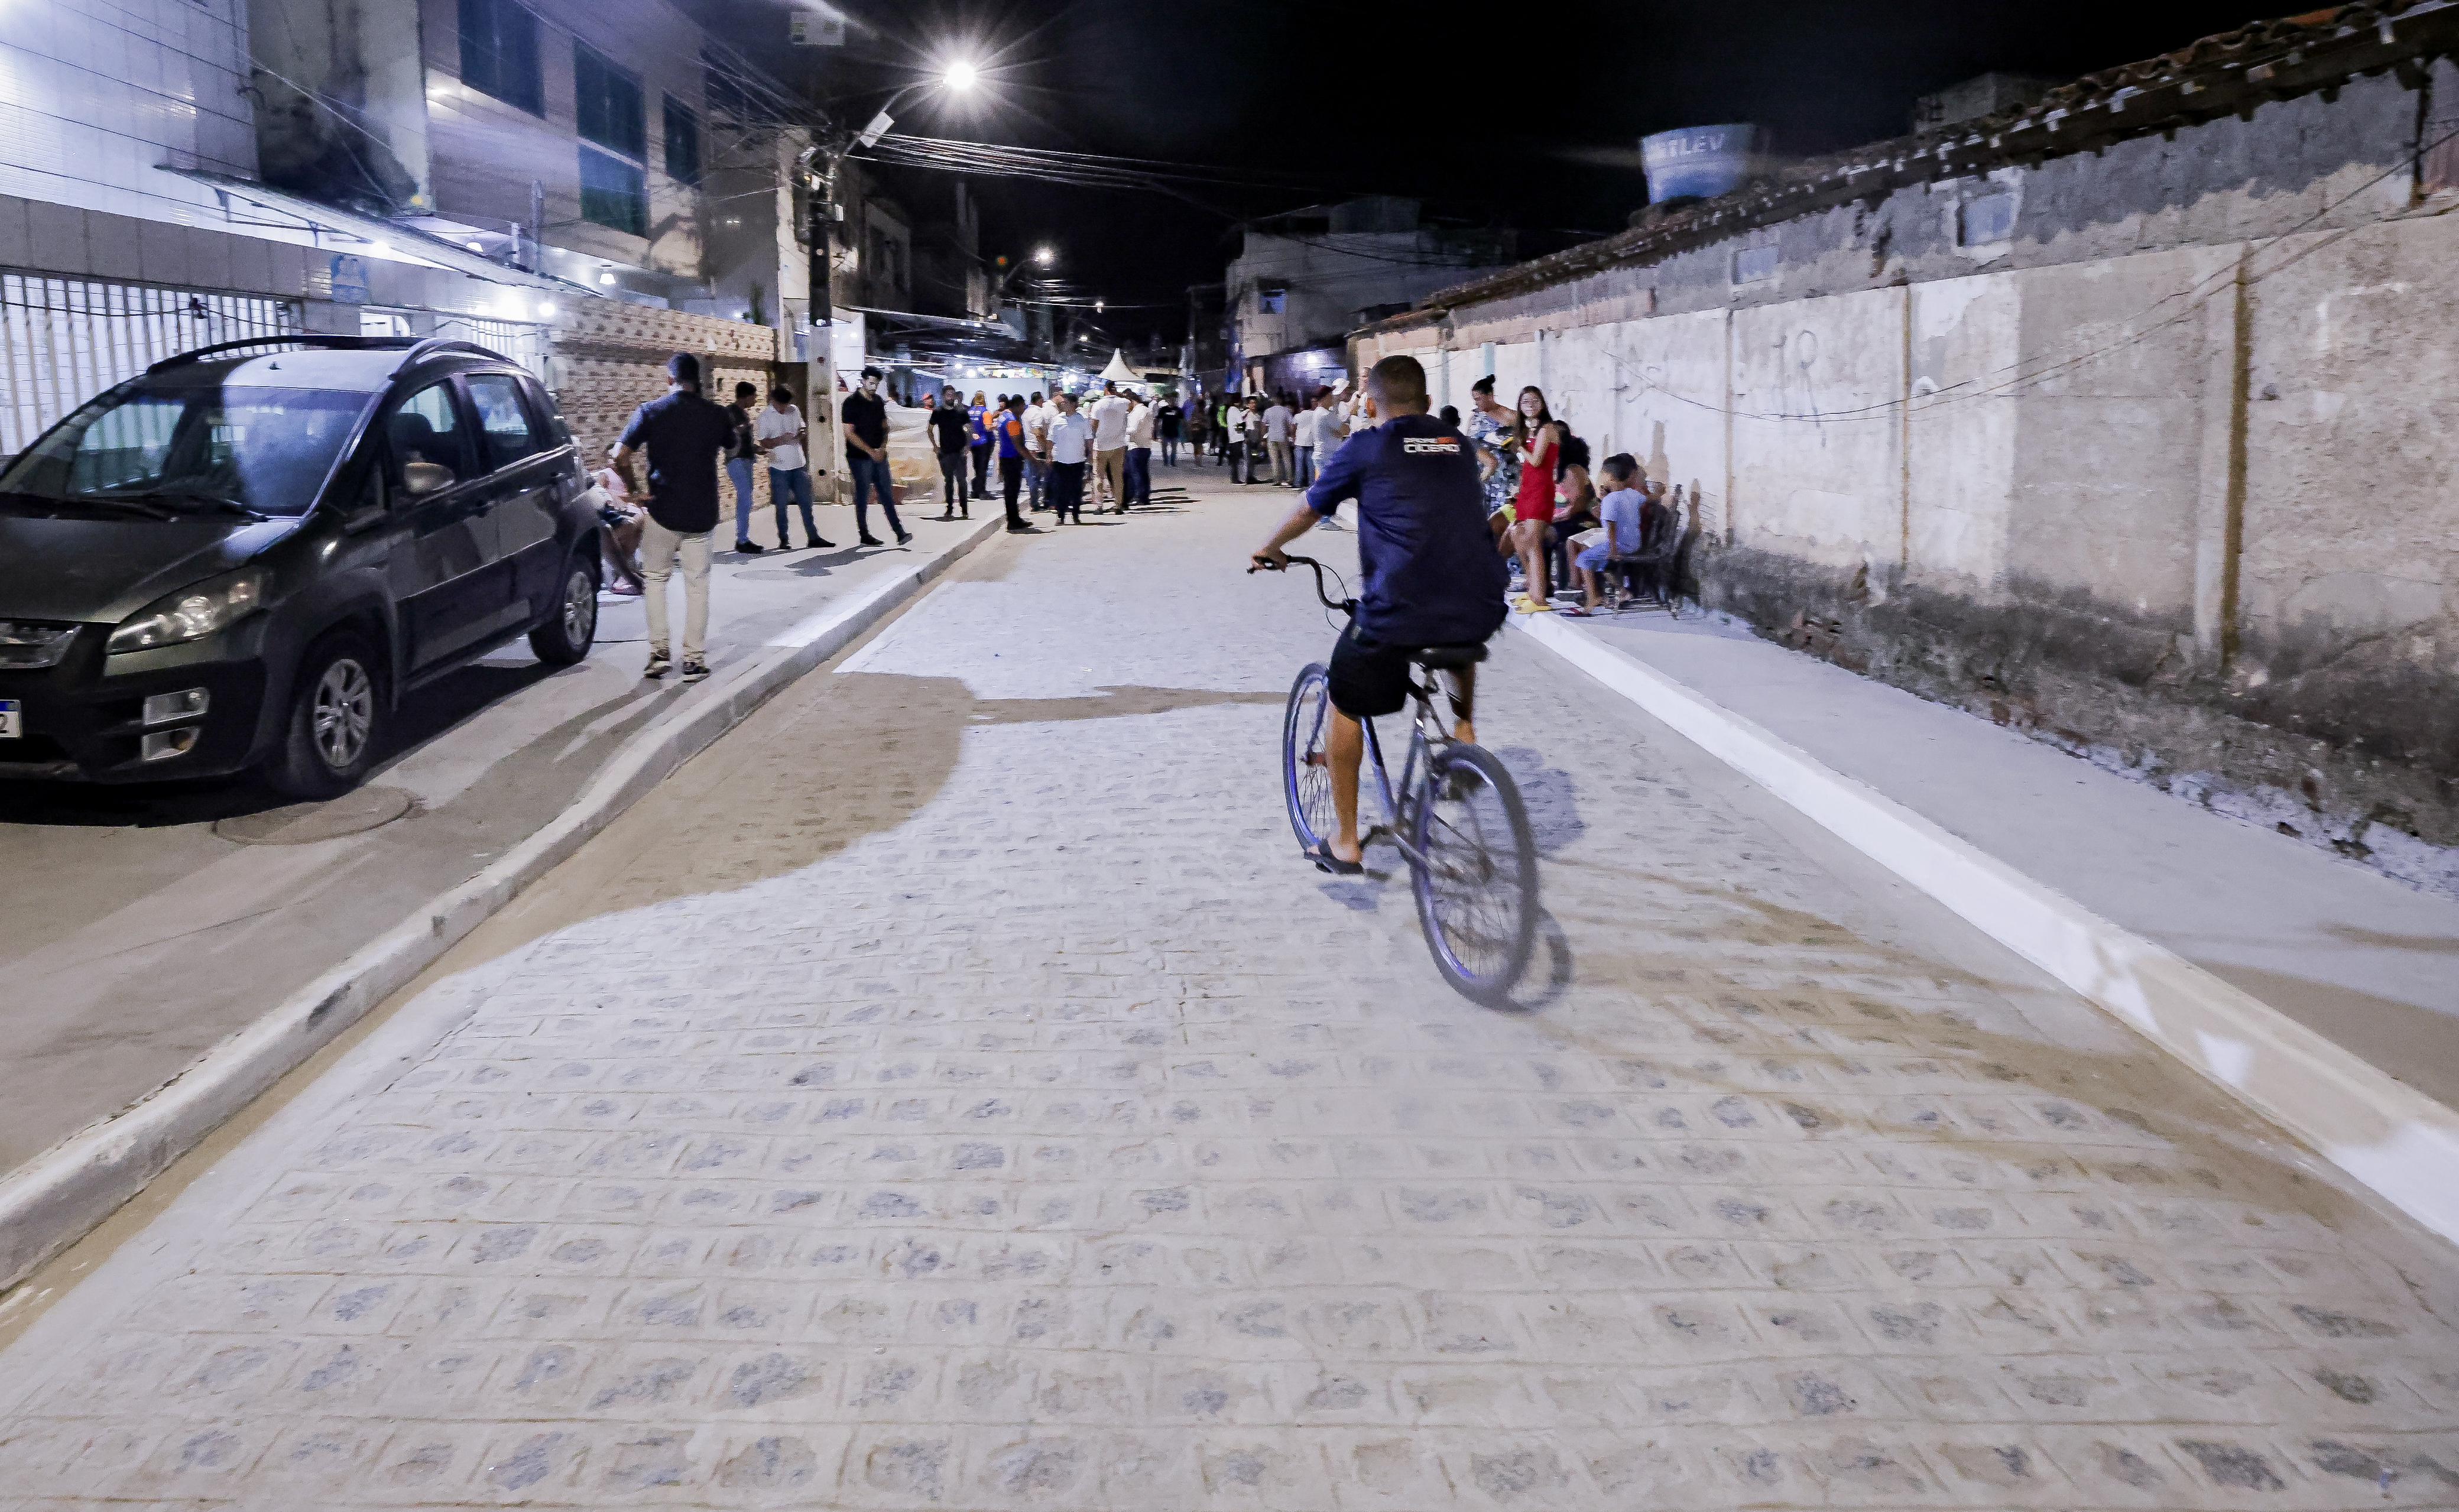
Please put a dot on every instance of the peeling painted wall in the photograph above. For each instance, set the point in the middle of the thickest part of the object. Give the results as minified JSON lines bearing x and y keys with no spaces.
{"x":2154,"y":451}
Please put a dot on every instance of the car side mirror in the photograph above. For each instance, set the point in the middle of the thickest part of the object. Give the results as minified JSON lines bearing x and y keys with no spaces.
{"x":425,"y":477}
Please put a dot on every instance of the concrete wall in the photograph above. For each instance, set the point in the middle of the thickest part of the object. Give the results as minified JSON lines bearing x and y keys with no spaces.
{"x":2168,"y":475}
{"x":1329,"y":278}
{"x":95,"y":99}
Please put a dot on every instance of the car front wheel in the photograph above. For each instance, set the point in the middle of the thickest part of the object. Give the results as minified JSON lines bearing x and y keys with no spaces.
{"x":568,"y":633}
{"x":336,"y":718}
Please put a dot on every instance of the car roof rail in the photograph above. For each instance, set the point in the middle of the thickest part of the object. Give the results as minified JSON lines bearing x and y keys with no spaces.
{"x":297,"y":339}
{"x":437,"y":346}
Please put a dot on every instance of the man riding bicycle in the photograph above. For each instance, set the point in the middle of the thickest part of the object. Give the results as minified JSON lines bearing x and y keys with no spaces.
{"x":1432,"y":576}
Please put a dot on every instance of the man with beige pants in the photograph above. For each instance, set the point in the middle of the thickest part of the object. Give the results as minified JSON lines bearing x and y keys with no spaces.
{"x":1109,"y":417}
{"x":684,"y":433}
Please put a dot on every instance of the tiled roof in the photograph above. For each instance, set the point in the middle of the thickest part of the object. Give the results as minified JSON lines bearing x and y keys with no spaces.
{"x":2228,"y":74}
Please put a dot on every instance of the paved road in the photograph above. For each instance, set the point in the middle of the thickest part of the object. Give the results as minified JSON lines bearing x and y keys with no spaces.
{"x":142,"y":925}
{"x":947,"y":1092}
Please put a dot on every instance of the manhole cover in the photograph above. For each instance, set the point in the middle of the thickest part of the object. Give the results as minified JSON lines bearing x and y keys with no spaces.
{"x":354,"y":812}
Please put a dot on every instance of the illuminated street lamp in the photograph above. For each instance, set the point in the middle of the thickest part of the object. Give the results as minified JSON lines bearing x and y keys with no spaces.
{"x":958,"y":76}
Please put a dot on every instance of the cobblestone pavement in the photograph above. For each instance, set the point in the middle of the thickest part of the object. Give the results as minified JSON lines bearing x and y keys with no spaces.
{"x":949,"y":1092}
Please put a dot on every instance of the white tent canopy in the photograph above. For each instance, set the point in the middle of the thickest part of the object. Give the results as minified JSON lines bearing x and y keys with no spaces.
{"x":1118,"y":371}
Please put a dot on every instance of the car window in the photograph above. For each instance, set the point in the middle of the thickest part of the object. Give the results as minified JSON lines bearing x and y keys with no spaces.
{"x":502,"y":418}
{"x":192,"y":445}
{"x":549,"y":415}
{"x":428,"y":428}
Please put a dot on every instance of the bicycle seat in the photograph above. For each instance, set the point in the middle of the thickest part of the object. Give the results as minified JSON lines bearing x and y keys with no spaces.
{"x":1448,"y":657}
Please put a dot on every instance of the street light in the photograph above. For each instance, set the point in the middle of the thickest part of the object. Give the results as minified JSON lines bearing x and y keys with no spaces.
{"x":959,"y":76}
{"x":1044,"y":255}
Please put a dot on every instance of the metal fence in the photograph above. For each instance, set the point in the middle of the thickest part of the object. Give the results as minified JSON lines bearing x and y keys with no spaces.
{"x":64,"y":340}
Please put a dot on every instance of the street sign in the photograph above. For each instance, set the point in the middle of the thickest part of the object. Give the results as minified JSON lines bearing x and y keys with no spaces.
{"x":817,"y":29}
{"x":349,"y":278}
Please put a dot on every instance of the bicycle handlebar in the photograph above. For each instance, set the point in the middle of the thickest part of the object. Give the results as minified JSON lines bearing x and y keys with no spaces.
{"x":1344,"y":605}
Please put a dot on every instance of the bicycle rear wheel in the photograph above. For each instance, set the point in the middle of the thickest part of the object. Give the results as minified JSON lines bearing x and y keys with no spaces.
{"x":1477,"y":885}
{"x":1306,"y":765}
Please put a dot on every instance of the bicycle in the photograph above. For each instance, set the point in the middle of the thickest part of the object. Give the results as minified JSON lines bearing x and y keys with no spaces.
{"x":1456,"y":818}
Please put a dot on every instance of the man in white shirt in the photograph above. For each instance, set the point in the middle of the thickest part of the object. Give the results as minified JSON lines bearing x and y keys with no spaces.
{"x":1277,"y":436}
{"x":1109,"y":417}
{"x":1067,"y":449}
{"x":1037,"y":415}
{"x":1140,"y":442}
{"x":1329,"y":429}
{"x":780,"y":432}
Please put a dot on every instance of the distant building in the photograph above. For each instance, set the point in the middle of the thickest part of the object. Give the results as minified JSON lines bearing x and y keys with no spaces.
{"x":1301,"y":281}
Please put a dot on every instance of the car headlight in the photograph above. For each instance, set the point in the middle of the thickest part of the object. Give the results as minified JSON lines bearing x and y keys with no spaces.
{"x":192,"y":613}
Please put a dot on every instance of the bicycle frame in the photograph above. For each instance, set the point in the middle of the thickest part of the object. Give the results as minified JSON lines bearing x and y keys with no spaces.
{"x":1426,"y":735}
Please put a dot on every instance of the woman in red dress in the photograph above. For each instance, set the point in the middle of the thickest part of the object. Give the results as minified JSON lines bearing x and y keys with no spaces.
{"x":1532,"y":508}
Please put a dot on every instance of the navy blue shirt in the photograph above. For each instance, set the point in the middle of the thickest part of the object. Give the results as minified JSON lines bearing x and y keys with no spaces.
{"x":1432,"y":574}
{"x":685,"y":434}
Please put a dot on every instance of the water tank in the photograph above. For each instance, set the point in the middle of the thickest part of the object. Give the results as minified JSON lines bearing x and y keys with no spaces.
{"x":1697,"y":161}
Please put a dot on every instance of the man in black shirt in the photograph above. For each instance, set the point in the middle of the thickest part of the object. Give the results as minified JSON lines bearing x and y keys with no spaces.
{"x":741,"y":457}
{"x":865,"y":433}
{"x":685,"y":434}
{"x":951,"y":435}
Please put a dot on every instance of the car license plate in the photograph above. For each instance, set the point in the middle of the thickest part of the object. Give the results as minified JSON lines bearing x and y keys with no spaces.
{"x":13,"y":719}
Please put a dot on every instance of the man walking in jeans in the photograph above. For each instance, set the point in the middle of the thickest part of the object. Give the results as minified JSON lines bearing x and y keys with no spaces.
{"x":741,"y":458}
{"x":782,"y":434}
{"x":866,"y":437}
{"x":685,"y":434}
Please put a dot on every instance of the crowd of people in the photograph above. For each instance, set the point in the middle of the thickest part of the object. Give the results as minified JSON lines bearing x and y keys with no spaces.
{"x":1051,"y":454}
{"x":1564,"y":535}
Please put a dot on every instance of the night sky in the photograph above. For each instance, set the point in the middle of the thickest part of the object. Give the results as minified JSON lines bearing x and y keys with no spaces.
{"x":1533,"y":127}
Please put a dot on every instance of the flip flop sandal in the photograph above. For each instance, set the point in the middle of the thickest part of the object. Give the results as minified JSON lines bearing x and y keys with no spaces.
{"x":1325,"y":861}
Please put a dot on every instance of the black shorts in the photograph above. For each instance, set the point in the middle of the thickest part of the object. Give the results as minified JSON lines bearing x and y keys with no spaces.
{"x":1368,"y":678}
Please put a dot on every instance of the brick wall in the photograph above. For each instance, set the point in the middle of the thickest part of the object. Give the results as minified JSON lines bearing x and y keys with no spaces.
{"x":608,"y":359}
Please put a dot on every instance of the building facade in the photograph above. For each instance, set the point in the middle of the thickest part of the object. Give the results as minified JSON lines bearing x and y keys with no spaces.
{"x":1303,"y":281}
{"x":179,"y":172}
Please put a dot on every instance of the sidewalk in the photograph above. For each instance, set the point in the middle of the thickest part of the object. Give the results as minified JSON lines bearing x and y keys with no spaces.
{"x":171,"y":916}
{"x":2364,"y":961}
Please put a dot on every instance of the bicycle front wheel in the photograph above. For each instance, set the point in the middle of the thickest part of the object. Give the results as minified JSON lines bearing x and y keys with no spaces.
{"x":1477,"y":879}
{"x":1305,"y":764}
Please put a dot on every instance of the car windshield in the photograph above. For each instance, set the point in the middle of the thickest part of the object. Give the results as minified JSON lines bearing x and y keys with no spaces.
{"x":189,"y":448}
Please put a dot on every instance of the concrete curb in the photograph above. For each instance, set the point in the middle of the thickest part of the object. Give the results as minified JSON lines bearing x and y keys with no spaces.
{"x":2393,"y":1139}
{"x":53,"y":1198}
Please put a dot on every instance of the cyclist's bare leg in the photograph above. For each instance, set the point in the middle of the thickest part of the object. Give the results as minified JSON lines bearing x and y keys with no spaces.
{"x":1463,"y":694}
{"x":1346,"y":749}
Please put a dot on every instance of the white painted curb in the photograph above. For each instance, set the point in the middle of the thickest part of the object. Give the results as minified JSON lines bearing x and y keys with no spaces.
{"x":2386,"y":1134}
{"x":53,"y":1198}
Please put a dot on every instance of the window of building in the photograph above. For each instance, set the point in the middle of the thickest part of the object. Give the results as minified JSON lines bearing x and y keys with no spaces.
{"x":1987,"y":218}
{"x":683,"y":143}
{"x":1272,"y":299}
{"x":607,"y":103}
{"x":1753,"y":264}
{"x":614,"y":193}
{"x":499,"y":53}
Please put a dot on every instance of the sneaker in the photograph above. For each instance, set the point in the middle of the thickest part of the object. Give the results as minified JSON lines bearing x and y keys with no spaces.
{"x":659,"y":666}
{"x":624,"y":590}
{"x":694,"y":671}
{"x":904,"y":537}
{"x":873,"y":540}
{"x":750,"y":548}
{"x":817,"y":544}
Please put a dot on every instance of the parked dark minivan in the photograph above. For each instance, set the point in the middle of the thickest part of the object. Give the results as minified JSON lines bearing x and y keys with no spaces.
{"x":246,"y":555}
